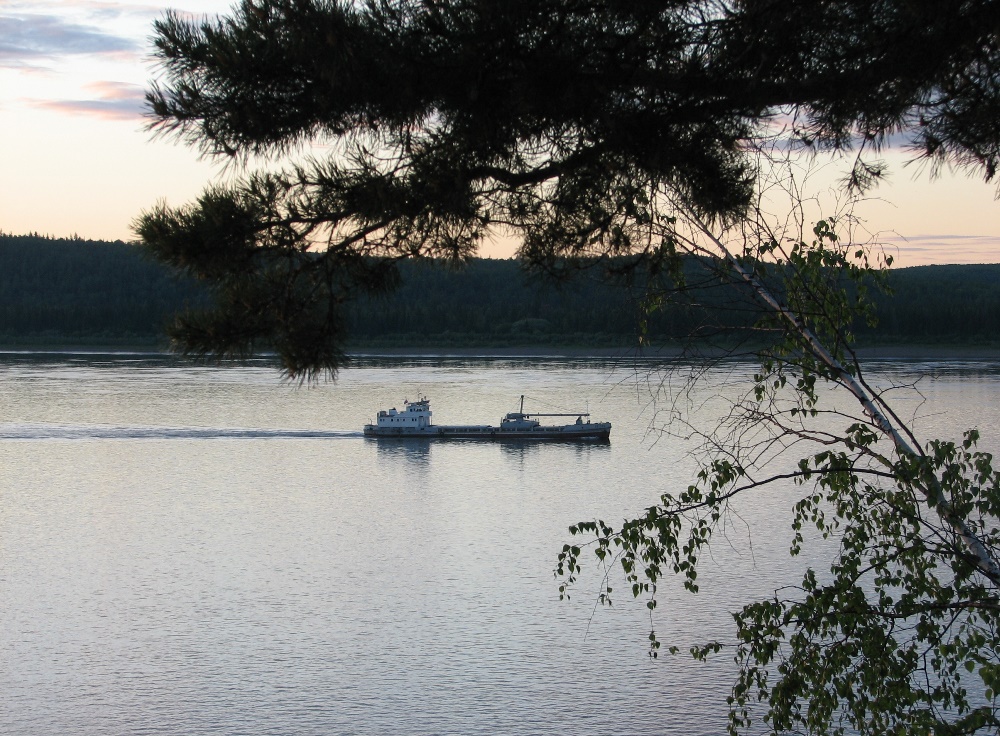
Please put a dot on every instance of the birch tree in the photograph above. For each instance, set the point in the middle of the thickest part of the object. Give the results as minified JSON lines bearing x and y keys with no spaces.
{"x":899,"y":633}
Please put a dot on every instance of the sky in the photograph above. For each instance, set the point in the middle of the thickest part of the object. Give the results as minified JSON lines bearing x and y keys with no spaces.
{"x":77,"y":159}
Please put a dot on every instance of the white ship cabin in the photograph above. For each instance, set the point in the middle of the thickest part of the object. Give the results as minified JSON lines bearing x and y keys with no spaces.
{"x":416,"y":414}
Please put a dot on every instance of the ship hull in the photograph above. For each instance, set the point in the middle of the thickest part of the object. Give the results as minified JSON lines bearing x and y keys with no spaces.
{"x":598,"y":432}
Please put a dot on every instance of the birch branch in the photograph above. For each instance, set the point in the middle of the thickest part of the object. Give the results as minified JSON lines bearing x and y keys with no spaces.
{"x":934,"y":494}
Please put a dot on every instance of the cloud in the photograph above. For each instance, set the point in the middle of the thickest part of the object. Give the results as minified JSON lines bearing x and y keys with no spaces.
{"x":113,"y":8}
{"x":111,"y":101}
{"x":28,"y":37}
{"x":915,"y":250}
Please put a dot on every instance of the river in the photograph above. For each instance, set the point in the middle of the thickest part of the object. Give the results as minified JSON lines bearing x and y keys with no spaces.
{"x":211,"y":550}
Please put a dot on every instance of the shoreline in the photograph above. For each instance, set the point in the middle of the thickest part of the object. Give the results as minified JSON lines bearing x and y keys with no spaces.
{"x":875,"y":353}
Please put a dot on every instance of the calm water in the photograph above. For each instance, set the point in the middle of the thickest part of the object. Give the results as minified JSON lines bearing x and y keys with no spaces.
{"x":191,"y":550}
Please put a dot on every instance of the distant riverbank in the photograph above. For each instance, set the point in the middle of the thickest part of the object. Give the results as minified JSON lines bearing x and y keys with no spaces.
{"x":58,"y":294}
{"x":880,"y":352}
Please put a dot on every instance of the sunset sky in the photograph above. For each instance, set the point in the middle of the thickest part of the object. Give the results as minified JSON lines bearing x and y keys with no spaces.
{"x":77,"y":160}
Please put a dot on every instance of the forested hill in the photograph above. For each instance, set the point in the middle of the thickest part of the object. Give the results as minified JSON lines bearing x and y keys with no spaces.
{"x":60,"y":291}
{"x":84,"y":291}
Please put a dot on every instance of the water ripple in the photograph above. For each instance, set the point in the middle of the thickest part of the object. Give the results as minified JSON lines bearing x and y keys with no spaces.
{"x":44,"y":431}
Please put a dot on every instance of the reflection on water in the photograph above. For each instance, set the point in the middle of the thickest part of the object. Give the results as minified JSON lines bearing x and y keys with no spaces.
{"x":521,"y":450}
{"x":415,"y":451}
{"x":418,"y":450}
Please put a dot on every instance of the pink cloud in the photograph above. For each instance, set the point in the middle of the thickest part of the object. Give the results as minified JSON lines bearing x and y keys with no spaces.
{"x":111,"y":101}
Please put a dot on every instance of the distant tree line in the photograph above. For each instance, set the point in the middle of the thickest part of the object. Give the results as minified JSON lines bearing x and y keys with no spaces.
{"x":84,"y":291}
{"x":941,"y":303}
{"x":76,"y":290}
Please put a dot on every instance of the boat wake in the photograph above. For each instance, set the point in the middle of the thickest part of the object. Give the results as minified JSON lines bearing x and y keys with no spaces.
{"x":42,"y":431}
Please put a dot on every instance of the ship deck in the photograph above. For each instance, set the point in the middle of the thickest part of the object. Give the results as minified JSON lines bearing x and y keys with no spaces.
{"x":572,"y":432}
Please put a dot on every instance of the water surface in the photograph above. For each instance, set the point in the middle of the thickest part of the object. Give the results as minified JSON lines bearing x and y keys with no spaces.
{"x":191,"y":550}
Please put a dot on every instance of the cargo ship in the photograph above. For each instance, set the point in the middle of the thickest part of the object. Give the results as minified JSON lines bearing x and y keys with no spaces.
{"x":414,"y":421}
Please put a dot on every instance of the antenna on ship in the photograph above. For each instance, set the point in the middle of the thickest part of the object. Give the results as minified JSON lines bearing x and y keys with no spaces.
{"x":522,"y":404}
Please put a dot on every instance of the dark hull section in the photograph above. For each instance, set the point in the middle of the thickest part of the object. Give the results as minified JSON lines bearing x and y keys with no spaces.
{"x":570,"y":433}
